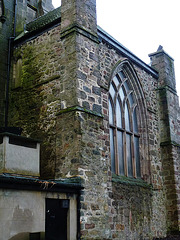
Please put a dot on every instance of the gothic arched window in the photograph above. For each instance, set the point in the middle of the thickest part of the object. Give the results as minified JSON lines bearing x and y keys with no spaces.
{"x":124,"y":135}
{"x":2,"y":17}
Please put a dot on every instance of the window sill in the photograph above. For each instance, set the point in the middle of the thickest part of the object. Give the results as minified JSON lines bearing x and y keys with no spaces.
{"x":130,"y":181}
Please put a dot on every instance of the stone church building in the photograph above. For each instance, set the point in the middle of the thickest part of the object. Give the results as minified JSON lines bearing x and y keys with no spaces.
{"x":90,"y":134}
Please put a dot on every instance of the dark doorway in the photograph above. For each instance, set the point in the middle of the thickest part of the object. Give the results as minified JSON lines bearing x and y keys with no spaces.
{"x":56,"y":219}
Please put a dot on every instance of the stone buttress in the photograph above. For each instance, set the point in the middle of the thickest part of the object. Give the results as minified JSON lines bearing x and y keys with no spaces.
{"x":169,"y":126}
{"x":80,"y":123}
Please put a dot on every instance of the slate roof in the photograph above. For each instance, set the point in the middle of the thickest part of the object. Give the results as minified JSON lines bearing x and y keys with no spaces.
{"x":11,"y":181}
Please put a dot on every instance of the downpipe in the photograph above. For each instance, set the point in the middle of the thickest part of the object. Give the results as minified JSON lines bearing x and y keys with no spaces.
{"x":10,"y":43}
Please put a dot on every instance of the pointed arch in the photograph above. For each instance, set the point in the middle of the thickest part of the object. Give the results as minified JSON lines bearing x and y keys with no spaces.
{"x":2,"y":11}
{"x":130,"y":141}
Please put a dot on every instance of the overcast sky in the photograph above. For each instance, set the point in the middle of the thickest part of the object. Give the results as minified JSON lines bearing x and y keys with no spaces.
{"x":142,"y":25}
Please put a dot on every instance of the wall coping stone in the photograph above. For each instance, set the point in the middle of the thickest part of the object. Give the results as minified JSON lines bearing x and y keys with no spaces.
{"x":81,"y":109}
{"x":78,"y":29}
{"x":169,"y":143}
{"x":23,"y":138}
{"x":130,"y":181}
{"x":44,"y":20}
{"x":166,"y":87}
{"x":160,"y":52}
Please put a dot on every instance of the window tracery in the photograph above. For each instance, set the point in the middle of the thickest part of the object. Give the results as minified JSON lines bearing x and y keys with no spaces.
{"x":124,"y":134}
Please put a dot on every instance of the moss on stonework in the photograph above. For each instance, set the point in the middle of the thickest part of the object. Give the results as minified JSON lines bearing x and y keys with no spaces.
{"x":48,"y":80}
{"x":19,"y":25}
{"x":17,"y":54}
{"x":130,"y":181}
{"x":34,"y":100}
{"x":78,"y":108}
{"x":77,"y":180}
{"x":29,"y":66}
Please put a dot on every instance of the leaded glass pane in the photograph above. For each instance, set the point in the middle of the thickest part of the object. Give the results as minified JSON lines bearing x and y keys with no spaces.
{"x":112,"y":150}
{"x":121,"y":94}
{"x":137,"y":158}
{"x":129,"y":155}
{"x":135,"y":125}
{"x":111,"y":118}
{"x":118,"y":114}
{"x":131,"y":101}
{"x":127,"y":120}
{"x":115,"y":80}
{"x":120,"y":152}
{"x":126,"y":85}
{"x":112,"y":91}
